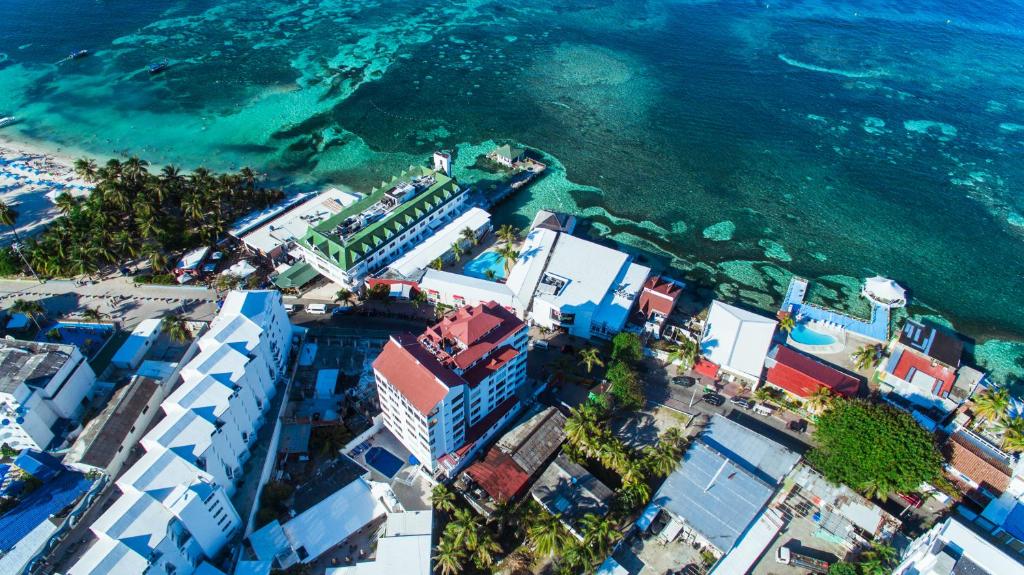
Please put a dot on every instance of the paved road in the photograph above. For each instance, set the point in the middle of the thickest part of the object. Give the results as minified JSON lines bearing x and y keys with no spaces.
{"x":118,"y":297}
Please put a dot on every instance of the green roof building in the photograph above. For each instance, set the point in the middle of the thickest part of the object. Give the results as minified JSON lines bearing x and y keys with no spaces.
{"x":507,"y":155}
{"x":375,"y":231}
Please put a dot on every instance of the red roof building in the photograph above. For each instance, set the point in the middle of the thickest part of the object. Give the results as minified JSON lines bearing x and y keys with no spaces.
{"x":447,"y":390}
{"x":498,"y":475}
{"x":803,"y":375}
{"x":656,"y":302}
{"x":912,"y":366}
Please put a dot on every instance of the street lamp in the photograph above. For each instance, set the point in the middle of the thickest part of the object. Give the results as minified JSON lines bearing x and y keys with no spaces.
{"x":17,"y":247}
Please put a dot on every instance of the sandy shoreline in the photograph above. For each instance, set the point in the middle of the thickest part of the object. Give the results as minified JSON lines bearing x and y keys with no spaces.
{"x":32,"y":174}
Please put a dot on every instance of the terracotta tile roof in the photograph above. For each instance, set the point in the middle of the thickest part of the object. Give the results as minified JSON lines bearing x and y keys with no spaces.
{"x":415,"y":372}
{"x":499,"y":475}
{"x":911,"y":361}
{"x":484,"y":369}
{"x":479,"y":329}
{"x":974,"y":463}
{"x":802,"y":375}
{"x":659,"y":296}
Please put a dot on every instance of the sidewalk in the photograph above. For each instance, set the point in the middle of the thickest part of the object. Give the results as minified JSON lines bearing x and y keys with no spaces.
{"x":117,"y":297}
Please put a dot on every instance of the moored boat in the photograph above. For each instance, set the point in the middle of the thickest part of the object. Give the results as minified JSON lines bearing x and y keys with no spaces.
{"x":7,"y":121}
{"x":159,"y":66}
{"x":78,"y":54}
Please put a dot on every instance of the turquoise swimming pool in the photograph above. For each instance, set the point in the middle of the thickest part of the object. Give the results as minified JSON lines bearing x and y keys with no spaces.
{"x":807,"y":336}
{"x":479,"y":266}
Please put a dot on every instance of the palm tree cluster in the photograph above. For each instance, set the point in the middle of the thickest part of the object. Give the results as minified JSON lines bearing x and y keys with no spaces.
{"x":685,"y":352}
{"x":992,"y":407}
{"x":508,"y":236}
{"x":133,"y":213}
{"x":464,"y":539}
{"x":590,"y":437}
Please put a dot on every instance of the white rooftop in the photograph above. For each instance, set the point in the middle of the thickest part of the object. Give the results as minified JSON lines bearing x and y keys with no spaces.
{"x":294,"y":222}
{"x":184,"y":432}
{"x":137,"y":520}
{"x":620,"y":299}
{"x":533,"y":256}
{"x":473,"y":289}
{"x":404,"y":549}
{"x":199,"y":392}
{"x":142,"y":334}
{"x":420,"y":257}
{"x":165,"y":476}
{"x":109,"y":556}
{"x":588,"y":269}
{"x":737,"y":339}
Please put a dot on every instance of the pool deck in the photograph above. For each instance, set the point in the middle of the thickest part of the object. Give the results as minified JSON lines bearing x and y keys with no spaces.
{"x":877,"y":329}
{"x":499,"y":271}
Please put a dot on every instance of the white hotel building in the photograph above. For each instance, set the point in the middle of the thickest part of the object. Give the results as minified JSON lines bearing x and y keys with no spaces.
{"x":175,"y":507}
{"x":444,"y":393}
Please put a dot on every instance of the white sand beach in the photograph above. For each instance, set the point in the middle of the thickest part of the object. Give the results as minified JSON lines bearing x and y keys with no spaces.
{"x":31,"y":177}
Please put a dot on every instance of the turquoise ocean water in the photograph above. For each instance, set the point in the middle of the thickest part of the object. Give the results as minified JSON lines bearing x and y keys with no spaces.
{"x":736,"y":143}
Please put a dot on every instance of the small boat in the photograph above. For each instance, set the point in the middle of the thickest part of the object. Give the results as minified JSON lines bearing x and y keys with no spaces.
{"x":7,"y":121}
{"x":78,"y":54}
{"x":159,"y":66}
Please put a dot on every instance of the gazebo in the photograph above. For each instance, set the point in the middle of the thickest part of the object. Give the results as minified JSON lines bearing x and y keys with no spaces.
{"x":884,"y":292}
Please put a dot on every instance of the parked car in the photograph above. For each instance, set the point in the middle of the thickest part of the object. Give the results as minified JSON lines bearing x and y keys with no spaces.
{"x":799,"y":426}
{"x":316,"y":308}
{"x":291,"y":308}
{"x":684,"y":381}
{"x":741,"y":402}
{"x":714,"y":399}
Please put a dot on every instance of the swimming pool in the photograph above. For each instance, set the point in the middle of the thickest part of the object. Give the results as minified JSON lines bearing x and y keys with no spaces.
{"x":487,"y":261}
{"x":384,"y":461}
{"x":806,"y":336}
{"x":89,"y":337}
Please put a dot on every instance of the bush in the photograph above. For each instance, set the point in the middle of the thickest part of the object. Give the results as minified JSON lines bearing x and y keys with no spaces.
{"x":875,"y":449}
{"x":627,"y":347}
{"x":10,"y":263}
{"x":625,"y":387}
{"x":842,"y":568}
{"x":157,"y":279}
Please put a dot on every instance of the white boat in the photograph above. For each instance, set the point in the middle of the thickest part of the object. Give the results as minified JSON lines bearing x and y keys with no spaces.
{"x":7,"y":121}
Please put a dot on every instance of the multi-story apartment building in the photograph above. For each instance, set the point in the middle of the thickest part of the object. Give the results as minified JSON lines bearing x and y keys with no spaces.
{"x":175,"y":507}
{"x":378,"y":229}
{"x":40,"y":383}
{"x":954,"y":547}
{"x":444,"y":393}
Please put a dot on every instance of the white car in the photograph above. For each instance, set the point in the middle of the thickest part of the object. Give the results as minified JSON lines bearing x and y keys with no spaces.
{"x":317,"y":308}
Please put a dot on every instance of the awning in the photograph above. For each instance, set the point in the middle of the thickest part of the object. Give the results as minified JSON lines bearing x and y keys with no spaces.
{"x":650,"y":512}
{"x":296,"y":276}
{"x":242,"y":269}
{"x":706,"y":368}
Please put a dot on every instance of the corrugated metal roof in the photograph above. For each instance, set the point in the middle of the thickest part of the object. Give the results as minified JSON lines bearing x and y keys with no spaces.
{"x":48,"y":499}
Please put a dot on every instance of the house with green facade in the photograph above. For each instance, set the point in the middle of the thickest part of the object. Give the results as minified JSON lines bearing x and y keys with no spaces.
{"x":378,"y":229}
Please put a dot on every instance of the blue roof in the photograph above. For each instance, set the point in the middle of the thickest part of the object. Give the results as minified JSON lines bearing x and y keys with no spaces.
{"x":1014,"y":523}
{"x":42,"y":466}
{"x":253,"y":568}
{"x":268,"y":541}
{"x":724,"y":480}
{"x":49,"y":498}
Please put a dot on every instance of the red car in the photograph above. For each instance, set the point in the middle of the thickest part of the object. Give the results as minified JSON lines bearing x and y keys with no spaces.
{"x":911,"y":499}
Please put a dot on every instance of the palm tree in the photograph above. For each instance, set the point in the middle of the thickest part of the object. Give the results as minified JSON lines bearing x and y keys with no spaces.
{"x":419,"y":297}
{"x":685,"y":352}
{"x":65,"y":203}
{"x":1013,"y":436}
{"x":8,"y":216}
{"x":820,"y":400}
{"x":507,"y":233}
{"x":490,"y":274}
{"x":598,"y":534}
{"x":484,"y":551}
{"x":867,"y":357}
{"x":635,"y":494}
{"x":175,"y":327}
{"x":469,"y":235}
{"x":465,"y":527}
{"x":92,"y":314}
{"x":343,"y":295}
{"x":86,"y":169}
{"x":991,"y":405}
{"x":547,"y":534}
{"x":510,"y":254}
{"x":29,"y":308}
{"x":457,"y":251}
{"x":661,"y":459}
{"x":449,"y":557}
{"x":589,"y":357}
{"x":878,"y":560}
{"x":442,"y":499}
{"x":437,"y":264}
{"x":787,"y":323}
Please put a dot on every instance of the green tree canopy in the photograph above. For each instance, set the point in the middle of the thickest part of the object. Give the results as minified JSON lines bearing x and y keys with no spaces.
{"x":874,"y":449}
{"x":625,"y":386}
{"x":627,"y":347}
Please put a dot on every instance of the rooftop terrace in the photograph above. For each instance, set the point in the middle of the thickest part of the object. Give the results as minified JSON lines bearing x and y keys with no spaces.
{"x":385,"y":213}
